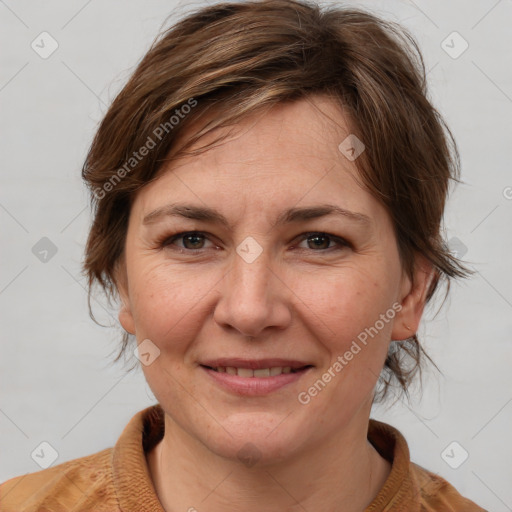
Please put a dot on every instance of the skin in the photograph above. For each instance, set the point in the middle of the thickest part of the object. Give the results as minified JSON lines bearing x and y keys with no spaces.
{"x":297,"y":300}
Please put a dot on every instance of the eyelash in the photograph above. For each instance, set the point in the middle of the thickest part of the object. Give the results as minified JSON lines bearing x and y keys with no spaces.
{"x":168,"y":241}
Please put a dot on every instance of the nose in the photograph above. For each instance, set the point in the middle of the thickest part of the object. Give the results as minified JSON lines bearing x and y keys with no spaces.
{"x":254,"y":297}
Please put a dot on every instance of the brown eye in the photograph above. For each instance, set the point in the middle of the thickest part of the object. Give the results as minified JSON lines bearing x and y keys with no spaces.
{"x":193,"y":241}
{"x":189,"y":241}
{"x":319,"y":241}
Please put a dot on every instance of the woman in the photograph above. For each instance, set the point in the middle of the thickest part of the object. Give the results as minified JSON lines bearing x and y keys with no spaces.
{"x":268,"y":190}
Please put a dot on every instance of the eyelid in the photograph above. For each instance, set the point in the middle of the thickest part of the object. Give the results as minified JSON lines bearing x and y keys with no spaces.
{"x":342,"y":242}
{"x":167,"y":240}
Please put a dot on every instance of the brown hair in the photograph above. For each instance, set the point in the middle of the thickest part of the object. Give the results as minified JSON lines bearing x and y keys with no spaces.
{"x":243,"y":57}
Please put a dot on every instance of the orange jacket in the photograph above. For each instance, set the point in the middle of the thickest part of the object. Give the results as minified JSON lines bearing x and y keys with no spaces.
{"x":117,"y":479}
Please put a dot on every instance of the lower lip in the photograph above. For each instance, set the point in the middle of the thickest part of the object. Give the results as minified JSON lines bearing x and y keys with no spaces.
{"x":254,"y":386}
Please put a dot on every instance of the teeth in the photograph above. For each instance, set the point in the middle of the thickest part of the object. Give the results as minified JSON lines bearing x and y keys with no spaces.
{"x":261,"y":372}
{"x":245,"y":372}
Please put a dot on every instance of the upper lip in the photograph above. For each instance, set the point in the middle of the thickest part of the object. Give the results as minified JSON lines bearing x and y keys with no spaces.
{"x":254,"y":364}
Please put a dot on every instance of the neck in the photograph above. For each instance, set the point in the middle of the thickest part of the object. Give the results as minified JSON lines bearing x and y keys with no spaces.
{"x":346,"y":469}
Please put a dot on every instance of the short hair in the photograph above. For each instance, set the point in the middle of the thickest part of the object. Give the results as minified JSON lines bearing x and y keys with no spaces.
{"x":239,"y":58}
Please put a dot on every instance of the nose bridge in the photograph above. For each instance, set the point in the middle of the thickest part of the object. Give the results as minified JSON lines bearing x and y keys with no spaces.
{"x":251,"y":298}
{"x":251,"y":260}
{"x":251,"y":275}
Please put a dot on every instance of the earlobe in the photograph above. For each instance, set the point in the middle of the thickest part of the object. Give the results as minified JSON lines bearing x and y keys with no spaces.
{"x":126,"y":318}
{"x":408,"y":319}
{"x":125,"y":313}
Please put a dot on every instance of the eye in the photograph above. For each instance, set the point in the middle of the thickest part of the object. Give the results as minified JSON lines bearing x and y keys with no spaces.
{"x":321,"y":241}
{"x":192,"y":240}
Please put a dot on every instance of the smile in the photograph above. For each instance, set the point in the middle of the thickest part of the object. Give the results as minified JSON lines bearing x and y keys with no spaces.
{"x":261,"y":372}
{"x":254,"y":381}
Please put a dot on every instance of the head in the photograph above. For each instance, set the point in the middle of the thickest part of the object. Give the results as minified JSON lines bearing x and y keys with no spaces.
{"x":253,"y":111}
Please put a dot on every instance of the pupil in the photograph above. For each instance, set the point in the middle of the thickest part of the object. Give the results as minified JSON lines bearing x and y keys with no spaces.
{"x":193,"y":237}
{"x":316,"y":238}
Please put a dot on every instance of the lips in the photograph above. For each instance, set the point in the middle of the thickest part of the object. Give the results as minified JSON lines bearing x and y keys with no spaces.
{"x":272,"y":371}
{"x":255,"y":377}
{"x":255,"y":364}
{"x":260,"y":368}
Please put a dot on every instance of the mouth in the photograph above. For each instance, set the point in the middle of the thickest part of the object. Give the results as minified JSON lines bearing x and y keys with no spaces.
{"x":271,"y":371}
{"x":255,"y":377}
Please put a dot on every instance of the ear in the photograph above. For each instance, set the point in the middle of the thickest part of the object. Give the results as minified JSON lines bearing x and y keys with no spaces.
{"x":413,"y":297}
{"x":125,"y":313}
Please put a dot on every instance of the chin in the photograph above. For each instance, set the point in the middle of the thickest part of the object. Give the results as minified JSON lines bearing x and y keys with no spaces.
{"x":256,"y":439}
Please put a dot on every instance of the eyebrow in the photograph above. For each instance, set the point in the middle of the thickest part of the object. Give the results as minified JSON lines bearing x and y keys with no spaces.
{"x":296,"y":214}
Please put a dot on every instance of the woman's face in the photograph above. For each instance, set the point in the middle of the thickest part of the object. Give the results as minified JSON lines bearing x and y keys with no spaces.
{"x":273,"y":284}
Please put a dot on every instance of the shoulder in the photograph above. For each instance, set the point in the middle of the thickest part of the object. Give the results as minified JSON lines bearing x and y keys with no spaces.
{"x":111,"y":480}
{"x":81,"y":484}
{"x":409,"y":486}
{"x":438,"y":495}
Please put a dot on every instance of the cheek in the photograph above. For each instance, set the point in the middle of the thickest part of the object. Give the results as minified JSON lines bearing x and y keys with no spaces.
{"x":346,"y":304}
{"x":353,"y":318}
{"x":167,"y":303}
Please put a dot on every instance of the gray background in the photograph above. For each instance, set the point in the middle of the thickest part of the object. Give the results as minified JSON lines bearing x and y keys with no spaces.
{"x":56,"y":381}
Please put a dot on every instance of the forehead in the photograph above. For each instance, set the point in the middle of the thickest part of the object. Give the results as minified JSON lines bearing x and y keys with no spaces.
{"x":288,"y":154}
{"x":315,"y":124}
